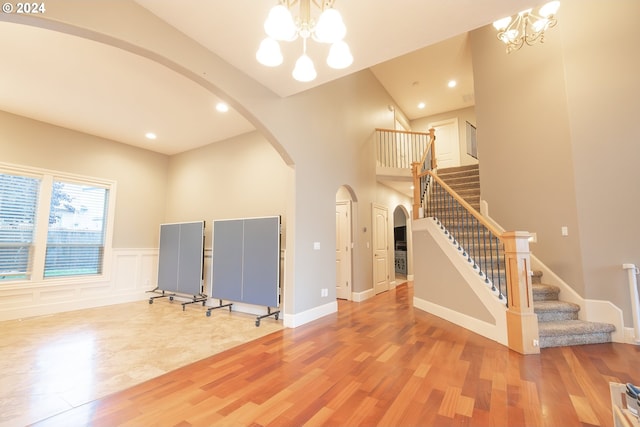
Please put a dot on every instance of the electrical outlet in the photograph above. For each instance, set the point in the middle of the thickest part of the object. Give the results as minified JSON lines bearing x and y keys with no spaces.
{"x":324,"y":292}
{"x":536,"y":343}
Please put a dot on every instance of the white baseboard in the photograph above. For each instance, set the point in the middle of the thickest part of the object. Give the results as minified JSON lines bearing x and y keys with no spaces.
{"x":48,"y":308}
{"x":605,"y":312}
{"x":361,"y":296}
{"x":629,"y":337}
{"x":130,"y":274}
{"x":299,"y":319}
{"x":488,"y":330}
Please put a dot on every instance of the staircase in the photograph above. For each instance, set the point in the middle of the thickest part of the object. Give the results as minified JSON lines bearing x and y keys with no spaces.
{"x":558,"y":323}
{"x":464,"y":180}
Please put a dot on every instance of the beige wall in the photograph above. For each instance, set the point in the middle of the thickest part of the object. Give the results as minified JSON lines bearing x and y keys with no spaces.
{"x":140,"y":175}
{"x":602,"y":68}
{"x":441,"y":283}
{"x":241,"y":177}
{"x":557,"y":131}
{"x":463,"y":115}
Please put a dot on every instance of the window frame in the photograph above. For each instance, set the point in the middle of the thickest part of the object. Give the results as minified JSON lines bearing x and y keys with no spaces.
{"x":47,"y":177}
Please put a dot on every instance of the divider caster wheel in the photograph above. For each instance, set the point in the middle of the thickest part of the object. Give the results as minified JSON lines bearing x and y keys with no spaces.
{"x":276,"y":316}
{"x":170,"y":298}
{"x":150,"y":300}
{"x":208,"y":313}
{"x":257,"y":322}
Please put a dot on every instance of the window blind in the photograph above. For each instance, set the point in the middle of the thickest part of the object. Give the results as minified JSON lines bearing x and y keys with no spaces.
{"x":18,"y":210}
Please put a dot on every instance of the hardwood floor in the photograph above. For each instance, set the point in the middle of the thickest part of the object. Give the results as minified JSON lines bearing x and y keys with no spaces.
{"x":375,"y":363}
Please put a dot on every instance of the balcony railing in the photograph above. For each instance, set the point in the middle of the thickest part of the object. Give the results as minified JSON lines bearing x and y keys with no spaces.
{"x":397,"y":149}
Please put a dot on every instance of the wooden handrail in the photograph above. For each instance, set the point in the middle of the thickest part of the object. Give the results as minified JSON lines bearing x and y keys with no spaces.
{"x":409,"y":132}
{"x":462,"y":202}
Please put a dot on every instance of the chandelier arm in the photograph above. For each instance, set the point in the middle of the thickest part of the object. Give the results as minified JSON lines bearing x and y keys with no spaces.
{"x":323,"y":4}
{"x":522,"y":30}
{"x":288,"y":3}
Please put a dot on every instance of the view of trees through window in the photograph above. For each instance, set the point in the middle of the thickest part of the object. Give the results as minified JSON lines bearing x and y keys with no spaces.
{"x":76,"y":230}
{"x":75,"y":227}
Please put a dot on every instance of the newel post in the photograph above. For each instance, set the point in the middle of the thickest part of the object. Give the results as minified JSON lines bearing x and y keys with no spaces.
{"x":416,"y":190}
{"x":522,"y":322}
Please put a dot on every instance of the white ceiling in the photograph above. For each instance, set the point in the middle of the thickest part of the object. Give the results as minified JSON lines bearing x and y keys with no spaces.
{"x":101,"y":90}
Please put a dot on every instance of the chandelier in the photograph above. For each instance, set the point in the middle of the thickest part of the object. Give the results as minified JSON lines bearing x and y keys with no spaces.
{"x":329,"y":28}
{"x":527,"y":27}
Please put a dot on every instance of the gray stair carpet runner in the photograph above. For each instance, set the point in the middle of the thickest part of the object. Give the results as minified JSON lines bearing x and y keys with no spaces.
{"x":558,"y":322}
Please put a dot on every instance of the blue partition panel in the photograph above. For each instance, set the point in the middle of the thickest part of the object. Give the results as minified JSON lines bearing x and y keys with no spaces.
{"x":246,"y":261}
{"x":180,"y":257}
{"x":227,"y":260}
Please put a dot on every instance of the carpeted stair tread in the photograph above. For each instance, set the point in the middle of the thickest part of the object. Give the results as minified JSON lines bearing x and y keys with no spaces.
{"x":562,"y":306}
{"x":536,"y":277}
{"x":547,"y":329}
{"x":553,"y":311}
{"x":573,"y":332}
{"x":458,"y":169}
{"x":544,"y":292}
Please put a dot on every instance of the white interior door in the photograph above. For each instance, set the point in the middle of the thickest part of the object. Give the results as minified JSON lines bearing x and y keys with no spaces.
{"x":343,"y":250}
{"x":380,"y":237}
{"x":447,"y":143}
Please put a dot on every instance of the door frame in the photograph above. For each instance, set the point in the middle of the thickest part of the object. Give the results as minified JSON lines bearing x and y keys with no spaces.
{"x":348,"y":266}
{"x":374,"y":256}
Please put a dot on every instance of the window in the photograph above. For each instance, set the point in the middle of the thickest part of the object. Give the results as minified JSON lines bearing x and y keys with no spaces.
{"x":75,"y":239}
{"x":51,"y":225}
{"x":18,"y":203}
{"x":472,"y":144}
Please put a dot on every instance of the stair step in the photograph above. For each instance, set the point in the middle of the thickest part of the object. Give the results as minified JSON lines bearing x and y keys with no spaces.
{"x":464,"y":192}
{"x":459,"y":170}
{"x":456,"y":180}
{"x":543,"y":292}
{"x":536,"y":277}
{"x":573,"y":332}
{"x":551,"y":311}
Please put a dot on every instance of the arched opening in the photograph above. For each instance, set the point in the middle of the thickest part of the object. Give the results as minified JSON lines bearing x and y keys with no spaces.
{"x":403,"y":260}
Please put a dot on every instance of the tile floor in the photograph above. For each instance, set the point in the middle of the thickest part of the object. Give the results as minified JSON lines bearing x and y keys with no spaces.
{"x":50,"y":364}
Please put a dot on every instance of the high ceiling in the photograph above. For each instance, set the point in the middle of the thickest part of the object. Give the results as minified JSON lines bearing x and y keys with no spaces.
{"x":413,"y":47}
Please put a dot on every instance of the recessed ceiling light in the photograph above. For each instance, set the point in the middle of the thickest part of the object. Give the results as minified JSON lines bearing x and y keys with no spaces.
{"x":222,"y":107}
{"x":150,"y":135}
{"x":452,"y":83}
{"x":421,"y":105}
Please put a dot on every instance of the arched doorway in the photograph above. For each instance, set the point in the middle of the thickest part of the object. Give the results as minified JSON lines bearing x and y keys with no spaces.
{"x":402,"y":245}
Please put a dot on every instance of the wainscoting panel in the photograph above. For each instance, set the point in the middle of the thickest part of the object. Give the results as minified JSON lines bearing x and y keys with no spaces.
{"x":133,"y":273}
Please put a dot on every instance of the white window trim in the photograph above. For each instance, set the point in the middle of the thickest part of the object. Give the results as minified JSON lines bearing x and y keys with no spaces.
{"x":40,"y":235}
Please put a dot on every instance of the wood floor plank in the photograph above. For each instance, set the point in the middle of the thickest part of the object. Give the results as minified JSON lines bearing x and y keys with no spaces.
{"x":377,"y":362}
